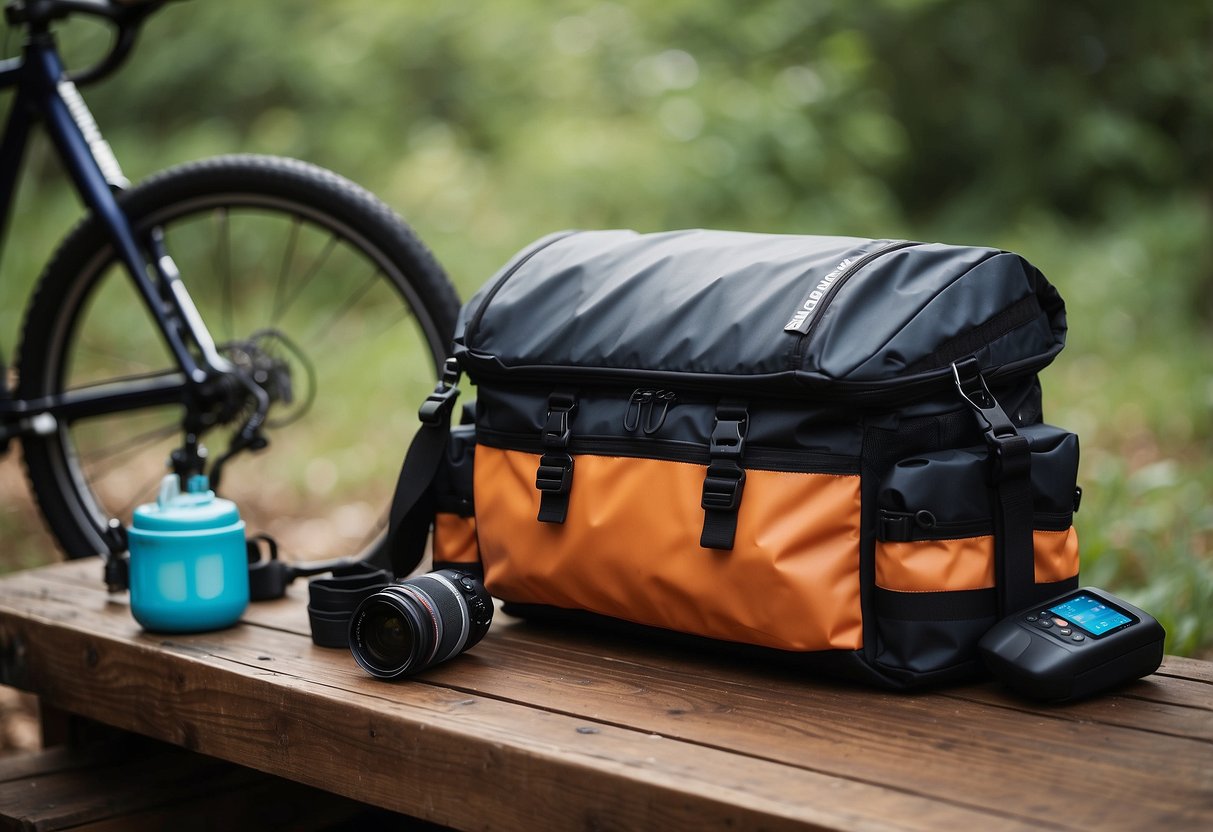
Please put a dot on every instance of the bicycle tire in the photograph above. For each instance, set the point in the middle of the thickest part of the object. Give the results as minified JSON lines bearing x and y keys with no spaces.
{"x":73,"y":299}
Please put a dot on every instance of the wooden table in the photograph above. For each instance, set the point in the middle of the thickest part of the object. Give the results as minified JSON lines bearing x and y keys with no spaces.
{"x":538,"y":728}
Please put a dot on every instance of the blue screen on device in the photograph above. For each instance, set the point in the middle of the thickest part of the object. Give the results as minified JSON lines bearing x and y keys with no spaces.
{"x":1091,"y":614}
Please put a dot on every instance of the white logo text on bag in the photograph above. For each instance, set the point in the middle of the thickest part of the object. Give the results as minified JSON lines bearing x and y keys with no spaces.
{"x":804,"y":314}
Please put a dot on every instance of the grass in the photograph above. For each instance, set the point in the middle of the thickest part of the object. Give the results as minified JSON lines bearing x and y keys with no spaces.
{"x":1136,"y":384}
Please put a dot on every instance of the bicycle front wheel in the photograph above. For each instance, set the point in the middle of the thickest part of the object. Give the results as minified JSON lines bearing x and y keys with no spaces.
{"x":307,"y":282}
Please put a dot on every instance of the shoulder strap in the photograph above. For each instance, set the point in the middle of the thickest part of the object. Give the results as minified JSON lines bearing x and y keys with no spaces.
{"x":412,"y":509}
{"x":1010,"y":479}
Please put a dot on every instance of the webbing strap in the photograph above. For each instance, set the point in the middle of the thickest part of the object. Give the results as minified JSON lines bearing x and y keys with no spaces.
{"x":412,"y":509}
{"x":1014,"y":552}
{"x":1011,"y":481}
{"x":724,"y":481}
{"x":554,"y":477}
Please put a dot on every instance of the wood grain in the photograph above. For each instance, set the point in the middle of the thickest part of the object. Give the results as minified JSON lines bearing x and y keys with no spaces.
{"x":422,"y":749}
{"x":724,"y":737}
{"x":136,"y":784}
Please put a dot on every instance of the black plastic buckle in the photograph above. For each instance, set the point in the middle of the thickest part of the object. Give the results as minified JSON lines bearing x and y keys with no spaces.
{"x":972,"y":386}
{"x":722,"y":487}
{"x":1010,"y":453}
{"x":728,"y":434}
{"x":438,"y":405}
{"x":557,"y":427}
{"x":555,"y":474}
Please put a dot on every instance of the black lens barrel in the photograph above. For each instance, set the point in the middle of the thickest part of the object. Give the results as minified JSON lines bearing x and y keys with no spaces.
{"x":412,"y":625}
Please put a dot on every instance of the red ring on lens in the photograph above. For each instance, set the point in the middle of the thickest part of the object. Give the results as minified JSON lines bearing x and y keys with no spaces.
{"x":421,"y":599}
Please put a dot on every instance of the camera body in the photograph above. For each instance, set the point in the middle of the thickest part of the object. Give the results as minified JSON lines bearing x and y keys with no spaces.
{"x":412,"y":625}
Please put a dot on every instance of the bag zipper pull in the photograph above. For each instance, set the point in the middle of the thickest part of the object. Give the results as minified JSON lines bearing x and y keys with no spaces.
{"x":666,"y":398}
{"x":636,"y":404}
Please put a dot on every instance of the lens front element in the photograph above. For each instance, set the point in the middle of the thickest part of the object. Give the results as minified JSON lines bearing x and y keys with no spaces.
{"x":389,"y":639}
{"x":410,"y":626}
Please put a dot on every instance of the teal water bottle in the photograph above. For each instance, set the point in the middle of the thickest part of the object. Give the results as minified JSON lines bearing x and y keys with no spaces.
{"x":188,"y":562}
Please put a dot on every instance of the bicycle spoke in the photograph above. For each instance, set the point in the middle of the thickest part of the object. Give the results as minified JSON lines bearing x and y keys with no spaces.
{"x":146,"y":438}
{"x":141,"y":494}
{"x":318,"y":333}
{"x":103,"y":352}
{"x":288,"y":257}
{"x":405,"y":313}
{"x":309,"y":275}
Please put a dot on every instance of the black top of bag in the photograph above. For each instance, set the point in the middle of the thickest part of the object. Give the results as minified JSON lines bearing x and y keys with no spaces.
{"x":839,"y":315}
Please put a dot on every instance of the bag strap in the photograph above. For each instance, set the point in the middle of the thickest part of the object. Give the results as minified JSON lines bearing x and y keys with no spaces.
{"x":725,"y":478}
{"x":1011,"y":480}
{"x":412,"y":509}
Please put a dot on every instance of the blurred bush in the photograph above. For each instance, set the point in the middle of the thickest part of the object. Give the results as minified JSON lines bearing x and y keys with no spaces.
{"x":1077,"y":133}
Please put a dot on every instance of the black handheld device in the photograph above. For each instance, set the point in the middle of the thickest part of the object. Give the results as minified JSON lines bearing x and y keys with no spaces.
{"x":1075,"y":645}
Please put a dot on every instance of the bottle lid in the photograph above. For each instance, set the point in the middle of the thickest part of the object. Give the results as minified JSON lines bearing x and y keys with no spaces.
{"x":196,"y":509}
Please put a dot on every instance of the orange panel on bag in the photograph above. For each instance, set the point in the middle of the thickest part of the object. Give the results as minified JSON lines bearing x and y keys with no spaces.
{"x":967,"y":562}
{"x":455,"y":539}
{"x":630,"y":549}
{"x":1056,"y":555}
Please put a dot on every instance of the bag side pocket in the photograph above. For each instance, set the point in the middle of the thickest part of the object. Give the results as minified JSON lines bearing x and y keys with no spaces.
{"x":935,"y":594}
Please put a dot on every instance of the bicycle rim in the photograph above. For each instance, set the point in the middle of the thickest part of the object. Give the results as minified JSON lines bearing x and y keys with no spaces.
{"x":281,"y":284}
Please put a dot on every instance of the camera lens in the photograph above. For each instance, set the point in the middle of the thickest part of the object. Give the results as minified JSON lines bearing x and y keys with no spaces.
{"x":415,"y":624}
{"x":389,"y":639}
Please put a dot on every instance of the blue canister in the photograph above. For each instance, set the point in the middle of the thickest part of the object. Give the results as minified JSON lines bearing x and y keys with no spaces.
{"x":189,"y":565}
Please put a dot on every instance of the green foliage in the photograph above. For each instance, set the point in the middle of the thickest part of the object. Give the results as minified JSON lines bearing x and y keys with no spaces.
{"x":1077,"y":133}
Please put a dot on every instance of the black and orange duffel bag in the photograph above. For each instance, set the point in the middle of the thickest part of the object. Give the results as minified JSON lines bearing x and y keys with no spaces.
{"x":823,"y":449}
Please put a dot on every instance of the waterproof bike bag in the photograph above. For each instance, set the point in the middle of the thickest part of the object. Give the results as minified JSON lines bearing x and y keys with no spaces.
{"x":826,"y":450}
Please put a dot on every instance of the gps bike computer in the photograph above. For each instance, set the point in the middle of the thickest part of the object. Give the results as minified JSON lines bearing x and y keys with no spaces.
{"x":1075,"y":645}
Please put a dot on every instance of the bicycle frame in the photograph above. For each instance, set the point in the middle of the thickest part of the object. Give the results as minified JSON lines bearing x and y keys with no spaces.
{"x":44,"y":92}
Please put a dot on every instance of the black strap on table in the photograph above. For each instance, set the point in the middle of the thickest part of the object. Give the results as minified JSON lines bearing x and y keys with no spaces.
{"x":1010,"y":477}
{"x":725,"y":478}
{"x":554,"y":477}
{"x":332,"y":601}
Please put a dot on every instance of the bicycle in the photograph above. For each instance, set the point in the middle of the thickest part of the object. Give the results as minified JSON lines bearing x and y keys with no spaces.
{"x":310,"y":282}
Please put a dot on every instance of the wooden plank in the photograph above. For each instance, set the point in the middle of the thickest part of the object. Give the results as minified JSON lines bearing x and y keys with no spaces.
{"x":136,"y":784}
{"x":431,"y":751}
{"x":289,"y":614}
{"x":1184,"y":692}
{"x":1166,"y":708}
{"x":912,"y":743}
{"x":1163,"y":708}
{"x":20,"y":766}
{"x":916,"y":742}
{"x":1167,"y":717}
{"x":266,"y":803}
{"x":1185,"y":668}
{"x":78,"y":796}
